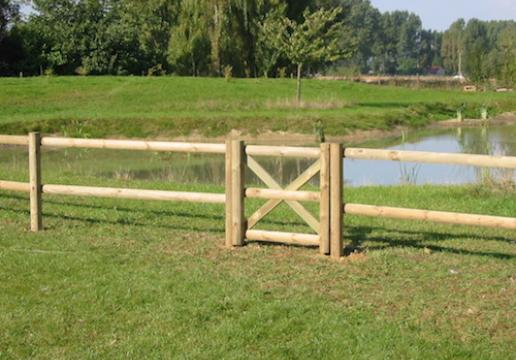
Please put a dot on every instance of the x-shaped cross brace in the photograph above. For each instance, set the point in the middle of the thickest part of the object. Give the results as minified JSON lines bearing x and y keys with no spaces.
{"x":273,"y":184}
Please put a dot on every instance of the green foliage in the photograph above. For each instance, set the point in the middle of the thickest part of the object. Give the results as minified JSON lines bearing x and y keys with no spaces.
{"x":269,"y":42}
{"x":506,"y":46}
{"x":196,"y":38}
{"x":189,"y":46}
{"x":315,"y":40}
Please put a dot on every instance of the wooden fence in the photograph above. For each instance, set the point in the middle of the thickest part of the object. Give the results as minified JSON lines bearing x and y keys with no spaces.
{"x":327,"y":227}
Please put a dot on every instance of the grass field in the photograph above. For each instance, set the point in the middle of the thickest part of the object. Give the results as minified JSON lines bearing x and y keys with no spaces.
{"x":170,"y":106}
{"x":127,"y":279}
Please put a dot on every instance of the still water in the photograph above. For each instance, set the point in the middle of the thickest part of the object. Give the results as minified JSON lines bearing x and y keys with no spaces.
{"x":498,"y":140}
{"x":209,"y":169}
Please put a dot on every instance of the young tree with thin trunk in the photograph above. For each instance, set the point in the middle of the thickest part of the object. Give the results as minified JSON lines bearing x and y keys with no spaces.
{"x":315,"y":40}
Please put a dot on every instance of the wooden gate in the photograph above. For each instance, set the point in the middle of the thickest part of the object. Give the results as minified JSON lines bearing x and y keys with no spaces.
{"x":238,"y":228}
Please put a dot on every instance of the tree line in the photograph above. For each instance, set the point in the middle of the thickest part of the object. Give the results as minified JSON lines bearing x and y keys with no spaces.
{"x":244,"y":38}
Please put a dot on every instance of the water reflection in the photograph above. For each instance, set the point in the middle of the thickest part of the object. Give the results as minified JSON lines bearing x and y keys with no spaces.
{"x":499,"y":140}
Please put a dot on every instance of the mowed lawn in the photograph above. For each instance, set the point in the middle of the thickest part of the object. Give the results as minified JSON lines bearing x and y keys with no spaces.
{"x":128,"y":279}
{"x":171,"y":106}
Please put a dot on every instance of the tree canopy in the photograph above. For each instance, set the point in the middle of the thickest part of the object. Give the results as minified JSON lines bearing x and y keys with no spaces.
{"x":202,"y":37}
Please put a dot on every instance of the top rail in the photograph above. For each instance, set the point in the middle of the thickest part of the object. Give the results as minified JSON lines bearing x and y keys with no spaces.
{"x":13,"y":140}
{"x":134,"y":145}
{"x":284,"y":151}
{"x":508,"y":162}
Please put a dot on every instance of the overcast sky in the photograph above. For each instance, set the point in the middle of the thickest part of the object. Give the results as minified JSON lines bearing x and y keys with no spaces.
{"x":439,"y":14}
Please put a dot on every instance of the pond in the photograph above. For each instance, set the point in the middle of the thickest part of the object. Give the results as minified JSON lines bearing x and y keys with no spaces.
{"x":209,"y":169}
{"x":495,"y":140}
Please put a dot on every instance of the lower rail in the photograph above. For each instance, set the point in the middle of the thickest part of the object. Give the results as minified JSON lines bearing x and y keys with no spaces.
{"x":283,"y":237}
{"x":433,"y":216}
{"x":133,"y":194}
{"x":14,"y":186}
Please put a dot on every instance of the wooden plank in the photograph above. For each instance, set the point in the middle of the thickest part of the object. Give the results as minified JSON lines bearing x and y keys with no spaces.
{"x":35,"y":181}
{"x":432,"y":216}
{"x":13,"y":140}
{"x":229,"y":240}
{"x":508,"y":162}
{"x":283,"y":151}
{"x":277,"y":194}
{"x":237,"y":192}
{"x":336,"y":185}
{"x":283,"y":237}
{"x":136,"y":194}
{"x":15,"y":186}
{"x":324,"y":208}
{"x":162,"y":146}
{"x":295,"y":185}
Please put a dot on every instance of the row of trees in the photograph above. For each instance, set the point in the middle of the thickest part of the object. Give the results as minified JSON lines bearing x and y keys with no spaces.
{"x":250,"y":37}
{"x":482,"y":50}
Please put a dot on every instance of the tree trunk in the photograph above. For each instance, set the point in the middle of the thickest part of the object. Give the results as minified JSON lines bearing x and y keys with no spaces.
{"x":298,"y":93}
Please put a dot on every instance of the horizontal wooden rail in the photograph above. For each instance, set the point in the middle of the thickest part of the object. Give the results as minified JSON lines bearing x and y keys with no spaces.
{"x":273,"y":194}
{"x":134,"y":145}
{"x":283,"y":237}
{"x":284,"y":151}
{"x":14,"y":186}
{"x":429,"y":215}
{"x":134,"y":194}
{"x":13,"y":140}
{"x":508,"y":162}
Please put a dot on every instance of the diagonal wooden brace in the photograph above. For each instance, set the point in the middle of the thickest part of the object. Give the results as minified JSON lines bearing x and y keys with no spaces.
{"x":295,"y":185}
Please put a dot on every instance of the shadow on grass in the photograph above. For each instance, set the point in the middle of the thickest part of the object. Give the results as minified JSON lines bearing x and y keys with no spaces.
{"x":359,"y":234}
{"x":172,"y":213}
{"x":395,"y":238}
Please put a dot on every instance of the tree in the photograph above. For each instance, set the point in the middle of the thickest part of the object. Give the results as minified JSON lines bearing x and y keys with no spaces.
{"x":269,"y":45}
{"x":314,"y":40}
{"x":189,"y":47}
{"x":476,"y":50}
{"x":506,"y":45}
{"x":452,"y":49}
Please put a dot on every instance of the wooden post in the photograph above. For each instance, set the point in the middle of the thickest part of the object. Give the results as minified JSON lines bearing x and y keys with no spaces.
{"x":324,"y":210}
{"x":35,"y":181}
{"x":229,"y":189}
{"x":237,"y":192}
{"x":336,"y":208}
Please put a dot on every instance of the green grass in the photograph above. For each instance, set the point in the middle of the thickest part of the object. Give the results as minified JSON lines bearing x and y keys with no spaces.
{"x":170,"y":106}
{"x":129,"y":279}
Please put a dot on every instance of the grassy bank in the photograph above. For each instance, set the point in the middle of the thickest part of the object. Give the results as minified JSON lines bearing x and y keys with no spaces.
{"x":118,"y":279}
{"x":168,"y":106}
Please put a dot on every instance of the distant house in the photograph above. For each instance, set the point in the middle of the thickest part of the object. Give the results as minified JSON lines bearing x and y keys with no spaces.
{"x":436,"y":71}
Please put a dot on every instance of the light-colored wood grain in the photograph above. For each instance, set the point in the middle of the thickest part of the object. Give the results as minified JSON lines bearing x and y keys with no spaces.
{"x":35,"y":182}
{"x":268,"y":194}
{"x":295,"y":185}
{"x":324,"y":209}
{"x":237,"y":192}
{"x":228,"y":227}
{"x":508,"y":162}
{"x":162,"y":146}
{"x":336,"y":215}
{"x":432,"y":216}
{"x":13,"y":140}
{"x":283,"y":237}
{"x":136,"y":194}
{"x":15,"y":186}
{"x":283,"y":151}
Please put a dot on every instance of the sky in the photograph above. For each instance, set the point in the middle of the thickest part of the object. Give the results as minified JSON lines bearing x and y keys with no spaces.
{"x":440,"y":14}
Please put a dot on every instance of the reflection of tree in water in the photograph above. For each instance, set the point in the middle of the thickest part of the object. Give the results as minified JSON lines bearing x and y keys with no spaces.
{"x":489,"y":141}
